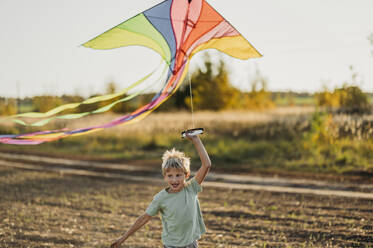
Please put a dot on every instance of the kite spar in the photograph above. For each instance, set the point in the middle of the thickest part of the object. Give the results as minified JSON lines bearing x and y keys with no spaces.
{"x":176,"y":30}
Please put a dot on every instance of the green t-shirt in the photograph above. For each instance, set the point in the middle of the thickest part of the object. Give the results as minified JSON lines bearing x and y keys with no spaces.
{"x":181,"y":215}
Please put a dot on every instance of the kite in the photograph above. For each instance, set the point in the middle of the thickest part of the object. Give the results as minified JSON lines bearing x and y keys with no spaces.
{"x":176,"y":30}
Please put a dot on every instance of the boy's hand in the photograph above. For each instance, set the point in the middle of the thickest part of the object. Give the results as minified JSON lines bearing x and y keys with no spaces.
{"x":116,"y":244}
{"x":191,"y":137}
{"x":192,"y":132}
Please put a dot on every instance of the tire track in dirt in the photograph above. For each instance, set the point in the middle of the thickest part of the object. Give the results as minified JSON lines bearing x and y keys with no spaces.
{"x":142,"y":173}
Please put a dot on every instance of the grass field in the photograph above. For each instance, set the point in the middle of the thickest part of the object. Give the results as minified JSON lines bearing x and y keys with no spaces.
{"x":40,"y":209}
{"x":274,"y":141}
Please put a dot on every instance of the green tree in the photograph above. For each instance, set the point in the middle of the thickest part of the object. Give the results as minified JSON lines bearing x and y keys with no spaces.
{"x":259,"y":97}
{"x":212,"y":89}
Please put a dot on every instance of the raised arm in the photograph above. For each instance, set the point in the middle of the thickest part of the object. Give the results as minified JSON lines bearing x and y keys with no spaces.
{"x":205,"y":159}
{"x":142,"y":220}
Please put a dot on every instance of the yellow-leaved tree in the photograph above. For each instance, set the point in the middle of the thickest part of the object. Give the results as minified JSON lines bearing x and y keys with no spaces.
{"x":212,"y":89}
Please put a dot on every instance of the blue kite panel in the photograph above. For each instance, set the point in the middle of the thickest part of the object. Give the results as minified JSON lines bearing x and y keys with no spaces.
{"x":160,"y":17}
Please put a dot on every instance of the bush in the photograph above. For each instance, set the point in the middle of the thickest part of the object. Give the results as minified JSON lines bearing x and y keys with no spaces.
{"x":8,"y":107}
{"x":46,"y":103}
{"x":352,"y":100}
{"x":348,"y":99}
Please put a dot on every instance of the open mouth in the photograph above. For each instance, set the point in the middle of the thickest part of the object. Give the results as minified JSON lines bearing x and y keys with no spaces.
{"x":175,"y":185}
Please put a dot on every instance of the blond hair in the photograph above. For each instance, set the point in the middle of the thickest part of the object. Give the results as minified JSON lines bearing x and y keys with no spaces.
{"x":175,"y":159}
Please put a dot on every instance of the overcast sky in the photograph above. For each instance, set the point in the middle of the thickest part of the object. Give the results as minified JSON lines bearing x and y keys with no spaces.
{"x":306,"y":44}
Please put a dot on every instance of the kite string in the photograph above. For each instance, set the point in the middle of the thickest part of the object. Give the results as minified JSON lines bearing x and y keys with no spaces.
{"x":190,"y":83}
{"x":191,"y":98}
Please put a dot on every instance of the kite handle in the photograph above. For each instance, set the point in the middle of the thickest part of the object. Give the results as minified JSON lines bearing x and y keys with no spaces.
{"x":192,"y":132}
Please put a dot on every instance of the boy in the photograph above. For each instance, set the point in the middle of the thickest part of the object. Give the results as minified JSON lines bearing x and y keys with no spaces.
{"x":178,"y":203}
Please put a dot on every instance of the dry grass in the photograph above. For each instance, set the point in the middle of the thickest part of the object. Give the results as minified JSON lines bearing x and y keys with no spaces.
{"x":176,"y":121}
{"x":280,"y":139}
{"x":215,"y":122}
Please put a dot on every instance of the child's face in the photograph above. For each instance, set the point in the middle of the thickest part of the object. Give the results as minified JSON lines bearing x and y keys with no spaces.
{"x":175,"y":178}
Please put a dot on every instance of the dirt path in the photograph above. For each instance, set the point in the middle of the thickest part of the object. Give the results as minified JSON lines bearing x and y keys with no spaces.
{"x":43,"y":209}
{"x":141,"y":173}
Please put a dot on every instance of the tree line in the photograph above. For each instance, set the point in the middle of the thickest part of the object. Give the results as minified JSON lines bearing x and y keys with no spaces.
{"x":211,"y":90}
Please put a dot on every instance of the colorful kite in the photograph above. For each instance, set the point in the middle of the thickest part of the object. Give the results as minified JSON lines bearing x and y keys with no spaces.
{"x":176,"y":29}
